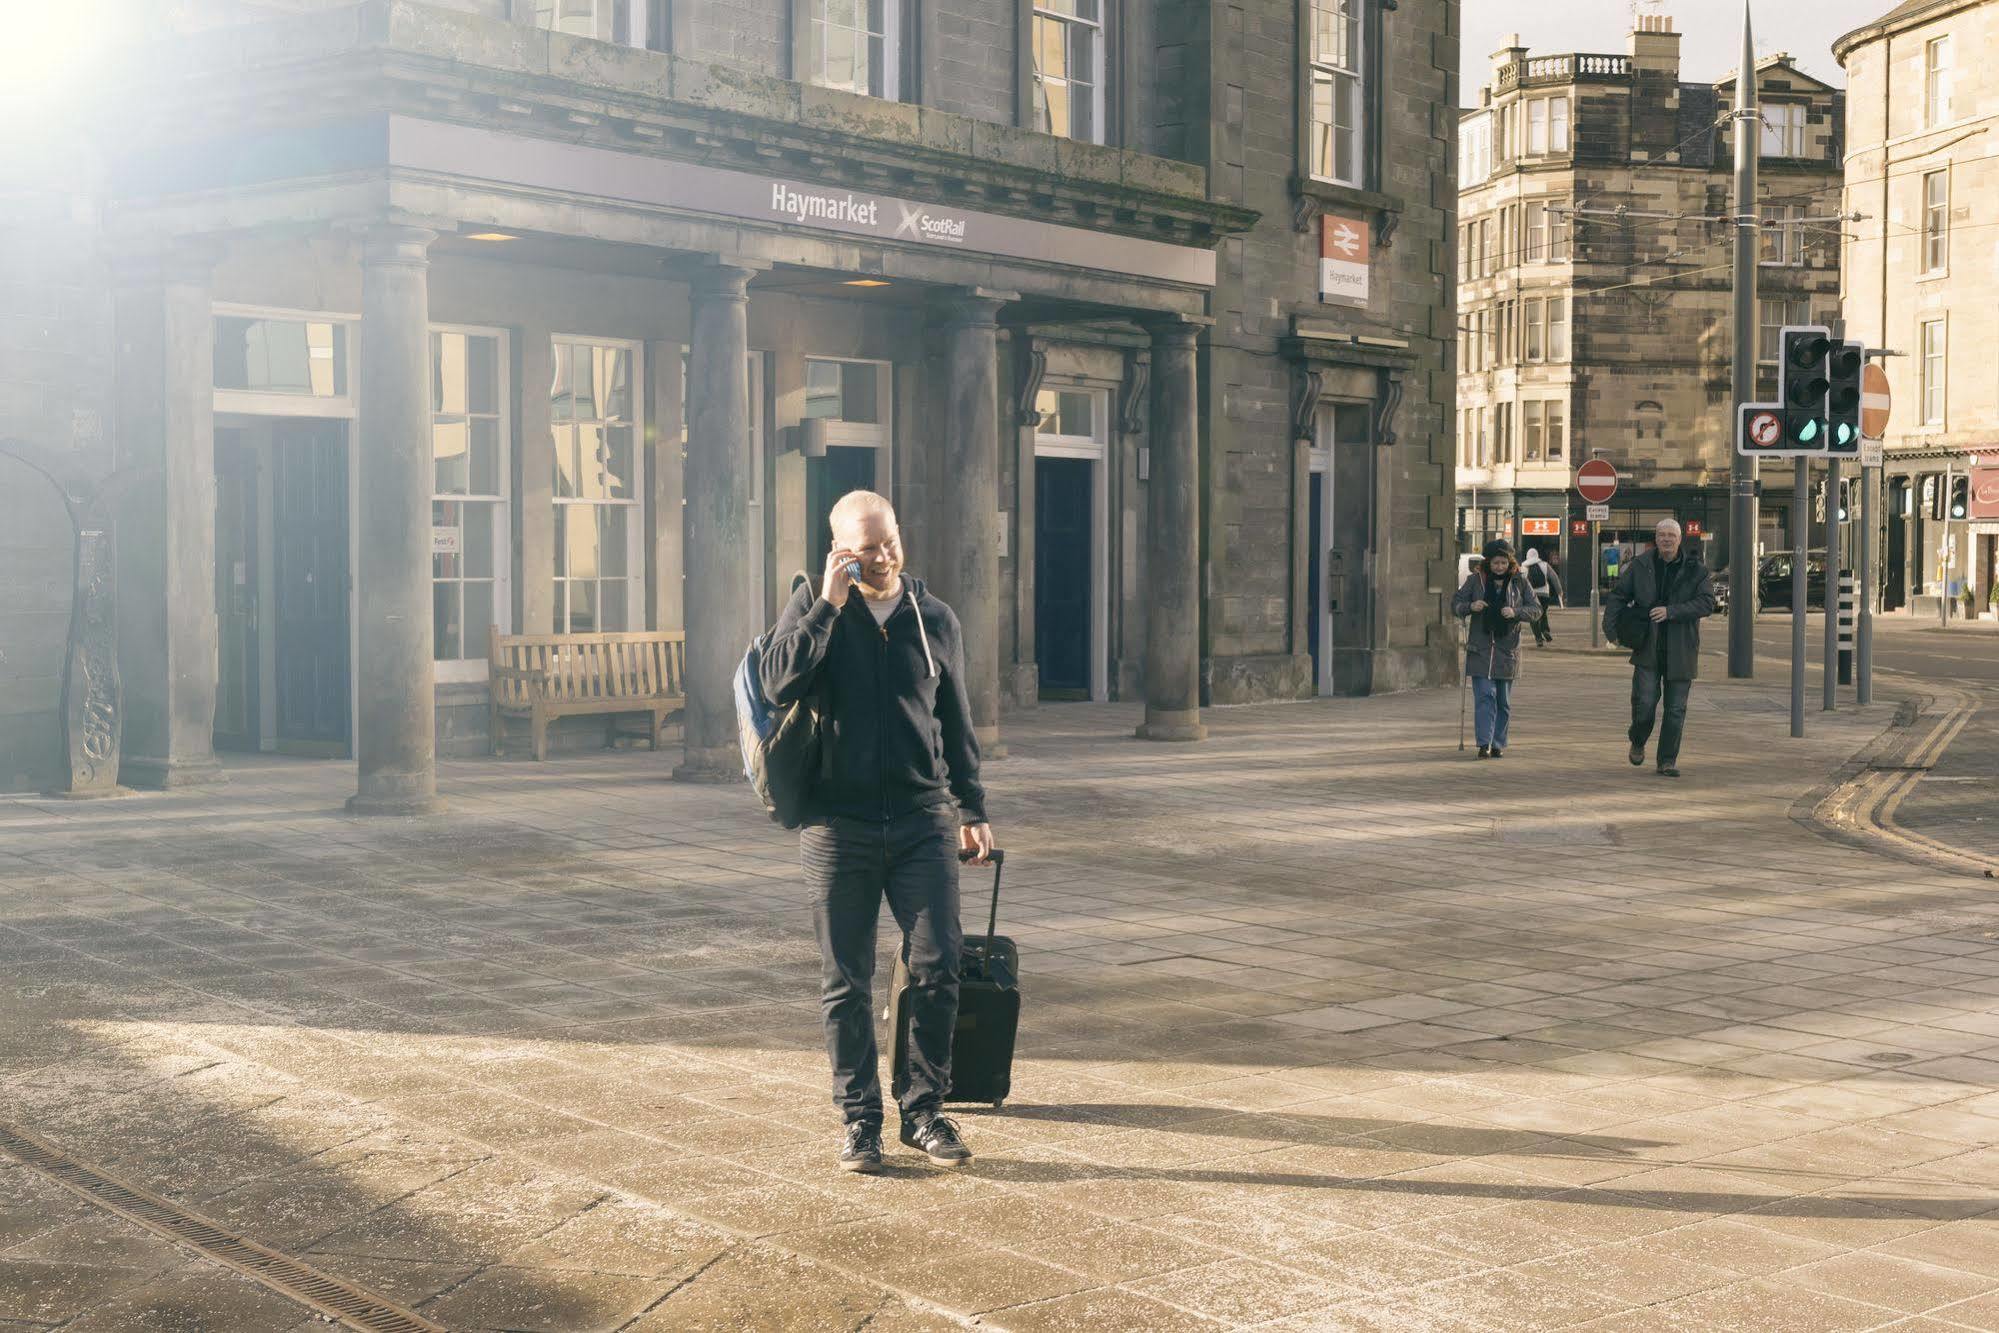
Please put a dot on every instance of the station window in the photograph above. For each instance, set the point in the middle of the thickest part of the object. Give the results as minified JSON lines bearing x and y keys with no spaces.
{"x":470,"y":532}
{"x":1068,"y":53}
{"x":1335,"y":97}
{"x":854,"y":45}
{"x":594,"y":411}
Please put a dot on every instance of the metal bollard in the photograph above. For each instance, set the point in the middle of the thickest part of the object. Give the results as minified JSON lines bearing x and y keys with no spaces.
{"x":1848,"y":588}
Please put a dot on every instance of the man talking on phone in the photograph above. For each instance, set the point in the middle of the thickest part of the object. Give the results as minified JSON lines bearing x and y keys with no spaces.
{"x":897,"y":798}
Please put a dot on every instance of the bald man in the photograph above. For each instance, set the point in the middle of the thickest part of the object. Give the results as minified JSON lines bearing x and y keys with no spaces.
{"x":1657,"y":608}
{"x":897,"y":799}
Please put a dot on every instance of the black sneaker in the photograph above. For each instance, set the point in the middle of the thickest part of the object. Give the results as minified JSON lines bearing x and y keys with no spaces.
{"x":936,"y":1138}
{"x":1498,"y":753}
{"x":863,"y":1149}
{"x":1637,"y":755}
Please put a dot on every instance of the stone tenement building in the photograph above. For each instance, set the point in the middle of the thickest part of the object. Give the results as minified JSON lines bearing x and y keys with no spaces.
{"x":411,"y":325}
{"x":1594,"y":300}
{"x":1922,"y":278}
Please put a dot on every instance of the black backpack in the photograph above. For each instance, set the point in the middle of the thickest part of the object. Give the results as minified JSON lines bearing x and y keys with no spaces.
{"x":783,"y":749}
{"x":1537,"y":577}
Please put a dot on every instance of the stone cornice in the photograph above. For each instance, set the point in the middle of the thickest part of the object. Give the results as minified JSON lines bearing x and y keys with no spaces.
{"x":393,"y":56}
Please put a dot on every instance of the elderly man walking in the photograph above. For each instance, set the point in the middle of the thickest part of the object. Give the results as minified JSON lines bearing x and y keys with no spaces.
{"x":1656,"y":611}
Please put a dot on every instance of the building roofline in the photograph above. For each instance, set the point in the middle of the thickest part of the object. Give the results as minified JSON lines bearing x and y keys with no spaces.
{"x":1906,"y":15}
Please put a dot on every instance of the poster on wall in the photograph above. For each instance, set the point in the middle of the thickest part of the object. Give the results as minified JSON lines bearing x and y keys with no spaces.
{"x":1343,"y":259}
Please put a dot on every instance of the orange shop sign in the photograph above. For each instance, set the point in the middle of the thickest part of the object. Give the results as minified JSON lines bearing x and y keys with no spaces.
{"x":1540,"y":527}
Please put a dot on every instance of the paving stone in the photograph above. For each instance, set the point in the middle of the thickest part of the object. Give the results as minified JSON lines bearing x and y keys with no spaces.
{"x":1296,"y":1049}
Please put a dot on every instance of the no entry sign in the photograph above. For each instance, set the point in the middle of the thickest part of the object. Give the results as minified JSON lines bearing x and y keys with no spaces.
{"x":1875,"y":401}
{"x":1596,"y":481}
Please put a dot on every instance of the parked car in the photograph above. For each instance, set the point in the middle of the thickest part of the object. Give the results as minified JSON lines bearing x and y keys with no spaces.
{"x":1773,"y":581}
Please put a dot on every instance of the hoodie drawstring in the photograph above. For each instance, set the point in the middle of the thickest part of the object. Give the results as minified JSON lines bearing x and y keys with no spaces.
{"x":921,"y":633}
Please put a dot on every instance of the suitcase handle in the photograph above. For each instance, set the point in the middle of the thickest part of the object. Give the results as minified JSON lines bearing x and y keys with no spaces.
{"x":998,"y":860}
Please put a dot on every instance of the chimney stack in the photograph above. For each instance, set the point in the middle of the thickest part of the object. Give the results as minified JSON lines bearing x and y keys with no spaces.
{"x":1655,"y":47}
{"x":1510,"y":52}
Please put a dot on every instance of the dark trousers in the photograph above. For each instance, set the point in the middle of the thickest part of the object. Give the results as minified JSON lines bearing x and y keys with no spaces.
{"x":1647,"y":684}
{"x":850,"y":866}
{"x":1543,"y":631}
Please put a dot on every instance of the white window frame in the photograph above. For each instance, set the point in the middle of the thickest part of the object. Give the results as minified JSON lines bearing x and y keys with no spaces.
{"x":257,"y":402}
{"x":1783,"y":130}
{"x":1783,"y":235}
{"x":890,"y":37}
{"x":1933,"y":371}
{"x":1791,"y":310}
{"x":1935,"y":229}
{"x":1093,"y":448}
{"x":635,"y":561}
{"x":601,"y":24}
{"x":1556,"y":344}
{"x":1535,"y":343}
{"x":472,"y":667}
{"x":1041,"y":14}
{"x":1558,"y":124}
{"x":1937,"y":81}
{"x":876,"y":435}
{"x":1554,"y":412}
{"x":1324,"y":69}
{"x":1537,"y":127}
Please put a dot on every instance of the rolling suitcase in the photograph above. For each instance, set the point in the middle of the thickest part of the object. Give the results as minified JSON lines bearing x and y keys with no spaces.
{"x":988,"y":1013}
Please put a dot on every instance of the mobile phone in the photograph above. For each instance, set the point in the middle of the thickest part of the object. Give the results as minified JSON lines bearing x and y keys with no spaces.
{"x":854,"y":570}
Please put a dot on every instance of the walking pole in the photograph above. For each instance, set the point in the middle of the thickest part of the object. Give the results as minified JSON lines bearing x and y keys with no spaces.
{"x":1464,"y":684}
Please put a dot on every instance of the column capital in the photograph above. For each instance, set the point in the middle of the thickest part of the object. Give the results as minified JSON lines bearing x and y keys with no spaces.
{"x":396,"y":243}
{"x":724,"y":276}
{"x":1169,"y":330}
{"x":973,"y":306}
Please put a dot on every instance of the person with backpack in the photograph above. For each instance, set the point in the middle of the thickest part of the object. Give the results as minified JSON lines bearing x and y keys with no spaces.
{"x":894,"y":798}
{"x":1547,"y":586}
{"x":1496,"y":601}
{"x":1656,"y":611}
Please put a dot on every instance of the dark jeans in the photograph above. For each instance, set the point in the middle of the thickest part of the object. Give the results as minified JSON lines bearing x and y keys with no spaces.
{"x":1645,"y":692}
{"x":850,"y":865}
{"x":1543,"y":631}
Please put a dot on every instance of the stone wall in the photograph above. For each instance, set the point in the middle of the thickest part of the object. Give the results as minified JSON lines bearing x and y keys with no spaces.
{"x":55,"y":360}
{"x":1269,"y":281}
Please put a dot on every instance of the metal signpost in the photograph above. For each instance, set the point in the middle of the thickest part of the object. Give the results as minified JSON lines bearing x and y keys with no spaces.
{"x":1875,"y":403}
{"x":1742,"y":501}
{"x":1596,"y":482}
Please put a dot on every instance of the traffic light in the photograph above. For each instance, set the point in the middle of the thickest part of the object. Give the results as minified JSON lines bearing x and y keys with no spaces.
{"x":1842,"y":404}
{"x":1960,"y":497}
{"x":1802,"y":385}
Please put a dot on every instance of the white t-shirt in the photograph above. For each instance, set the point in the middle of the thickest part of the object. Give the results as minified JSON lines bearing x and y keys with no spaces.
{"x":881,"y":608}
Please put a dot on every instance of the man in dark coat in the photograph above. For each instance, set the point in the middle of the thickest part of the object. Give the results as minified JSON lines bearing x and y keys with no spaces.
{"x":1656,"y":611}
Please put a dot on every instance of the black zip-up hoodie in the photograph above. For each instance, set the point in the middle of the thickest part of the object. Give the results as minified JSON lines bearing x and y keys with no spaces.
{"x":897,"y":721}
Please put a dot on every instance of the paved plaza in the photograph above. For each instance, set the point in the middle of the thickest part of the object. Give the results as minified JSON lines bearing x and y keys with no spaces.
{"x":1327,"y":1026}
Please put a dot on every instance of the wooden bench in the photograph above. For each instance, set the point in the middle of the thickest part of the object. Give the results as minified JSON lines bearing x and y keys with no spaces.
{"x":545,"y":676}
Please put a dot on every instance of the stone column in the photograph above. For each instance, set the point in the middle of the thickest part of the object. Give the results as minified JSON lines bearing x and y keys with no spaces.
{"x":395,"y":720}
{"x":722,"y":600}
{"x":1173,"y":539}
{"x":968,"y":501}
{"x":165,"y":405}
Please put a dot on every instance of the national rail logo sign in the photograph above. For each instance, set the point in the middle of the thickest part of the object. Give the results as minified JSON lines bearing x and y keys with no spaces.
{"x":1344,"y":254}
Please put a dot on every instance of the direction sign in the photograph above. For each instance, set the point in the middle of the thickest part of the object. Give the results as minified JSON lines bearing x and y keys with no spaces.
{"x":1597,"y":513}
{"x":1596,"y":481}
{"x":1875,"y":401}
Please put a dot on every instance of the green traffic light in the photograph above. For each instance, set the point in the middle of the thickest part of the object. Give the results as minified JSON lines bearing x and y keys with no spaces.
{"x":1842,"y":433}
{"x":1810,"y":431}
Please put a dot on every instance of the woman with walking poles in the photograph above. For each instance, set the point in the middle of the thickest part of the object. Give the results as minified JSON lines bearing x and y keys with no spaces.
{"x":1495,"y":601}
